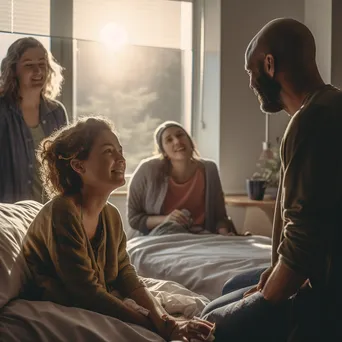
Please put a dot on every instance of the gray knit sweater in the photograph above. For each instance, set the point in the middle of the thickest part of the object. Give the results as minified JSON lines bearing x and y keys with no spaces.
{"x":148,"y":188}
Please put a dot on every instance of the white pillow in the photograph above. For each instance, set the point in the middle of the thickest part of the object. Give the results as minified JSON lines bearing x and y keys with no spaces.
{"x":14,"y":222}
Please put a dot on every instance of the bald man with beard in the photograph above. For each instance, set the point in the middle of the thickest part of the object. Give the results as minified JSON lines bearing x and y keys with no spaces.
{"x":297,"y":298}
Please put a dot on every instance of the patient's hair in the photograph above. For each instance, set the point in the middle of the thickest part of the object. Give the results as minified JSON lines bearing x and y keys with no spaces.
{"x":9,"y":85}
{"x":158,"y":134}
{"x":56,"y":152}
{"x":166,"y":166}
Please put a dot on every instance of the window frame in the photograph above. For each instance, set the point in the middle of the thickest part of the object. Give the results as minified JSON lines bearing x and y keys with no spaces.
{"x":64,"y":50}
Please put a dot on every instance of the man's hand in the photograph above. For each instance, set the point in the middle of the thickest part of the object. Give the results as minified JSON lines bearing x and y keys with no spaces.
{"x":282,"y":283}
{"x":262,"y":281}
{"x":264,"y":277}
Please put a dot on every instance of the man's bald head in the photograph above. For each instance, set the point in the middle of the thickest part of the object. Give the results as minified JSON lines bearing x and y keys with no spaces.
{"x":290,"y":42}
{"x":282,"y":54}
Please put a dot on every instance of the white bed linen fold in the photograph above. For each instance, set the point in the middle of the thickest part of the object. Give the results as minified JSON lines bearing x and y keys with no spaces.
{"x":202,"y":263}
{"x":26,"y":321}
{"x":34,"y":321}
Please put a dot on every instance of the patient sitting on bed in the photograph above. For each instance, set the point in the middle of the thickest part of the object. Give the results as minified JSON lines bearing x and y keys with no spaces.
{"x":76,"y":247}
{"x":177,"y":191}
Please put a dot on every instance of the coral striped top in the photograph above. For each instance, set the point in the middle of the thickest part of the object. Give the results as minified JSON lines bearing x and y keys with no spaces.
{"x":189,"y":195}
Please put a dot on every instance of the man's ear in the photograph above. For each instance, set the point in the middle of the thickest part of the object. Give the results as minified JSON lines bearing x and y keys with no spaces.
{"x":269,"y":66}
{"x":77,"y":166}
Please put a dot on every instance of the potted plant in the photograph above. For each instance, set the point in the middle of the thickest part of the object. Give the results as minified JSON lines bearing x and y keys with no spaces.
{"x":256,"y":187}
{"x":268,"y":169}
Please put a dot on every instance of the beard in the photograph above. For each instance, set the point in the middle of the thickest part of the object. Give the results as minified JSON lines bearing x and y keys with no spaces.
{"x":268,"y":92}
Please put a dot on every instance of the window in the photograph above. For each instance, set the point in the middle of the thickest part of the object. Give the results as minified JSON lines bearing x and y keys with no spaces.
{"x":133,"y":65}
{"x":128,"y":60}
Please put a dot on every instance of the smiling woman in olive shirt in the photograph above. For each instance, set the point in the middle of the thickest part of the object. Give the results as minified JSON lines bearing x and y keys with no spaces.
{"x":76,"y":247}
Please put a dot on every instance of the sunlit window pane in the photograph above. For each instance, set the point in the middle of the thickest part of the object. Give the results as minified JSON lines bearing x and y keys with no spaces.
{"x":133,"y":66}
{"x":156,"y":23}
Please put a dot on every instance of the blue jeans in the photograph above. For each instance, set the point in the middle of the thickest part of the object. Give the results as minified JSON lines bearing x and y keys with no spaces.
{"x":240,"y":281}
{"x":234,"y":289}
{"x":249,"y":319}
{"x":298,"y":319}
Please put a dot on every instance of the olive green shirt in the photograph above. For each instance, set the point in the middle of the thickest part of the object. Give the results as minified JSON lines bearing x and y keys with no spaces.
{"x":308,"y":224}
{"x":65,"y":268}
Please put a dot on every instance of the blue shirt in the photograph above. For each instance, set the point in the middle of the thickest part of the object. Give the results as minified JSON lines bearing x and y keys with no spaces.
{"x":17,"y":151}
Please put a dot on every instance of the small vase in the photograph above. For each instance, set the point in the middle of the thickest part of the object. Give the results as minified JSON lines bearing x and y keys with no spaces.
{"x":256,"y":189}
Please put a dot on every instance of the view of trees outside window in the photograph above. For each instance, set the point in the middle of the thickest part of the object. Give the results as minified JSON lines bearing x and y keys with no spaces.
{"x":131,"y":65}
{"x":138,"y":88}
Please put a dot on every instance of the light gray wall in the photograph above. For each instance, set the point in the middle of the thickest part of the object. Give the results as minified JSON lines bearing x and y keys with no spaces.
{"x":318,"y":18}
{"x":241,"y":122}
{"x":323,"y":17}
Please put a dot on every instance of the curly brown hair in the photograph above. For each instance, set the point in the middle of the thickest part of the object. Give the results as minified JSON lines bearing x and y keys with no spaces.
{"x":9,"y":86}
{"x":56,"y":152}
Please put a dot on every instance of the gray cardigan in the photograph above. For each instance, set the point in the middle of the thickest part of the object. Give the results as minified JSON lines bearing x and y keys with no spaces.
{"x":147,"y":191}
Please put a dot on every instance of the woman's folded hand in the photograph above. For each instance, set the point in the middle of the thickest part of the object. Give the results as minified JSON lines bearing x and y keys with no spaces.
{"x":186,"y":330}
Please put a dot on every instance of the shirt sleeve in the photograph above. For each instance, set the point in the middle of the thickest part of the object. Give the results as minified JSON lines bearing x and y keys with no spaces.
{"x":311,"y":191}
{"x":137,"y":216}
{"x":68,"y":250}
{"x":2,"y":121}
{"x":221,"y":213}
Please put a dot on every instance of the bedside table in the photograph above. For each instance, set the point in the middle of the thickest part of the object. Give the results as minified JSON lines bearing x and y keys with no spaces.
{"x":258,"y":214}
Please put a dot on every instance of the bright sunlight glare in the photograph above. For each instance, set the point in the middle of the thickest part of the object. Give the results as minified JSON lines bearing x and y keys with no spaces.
{"x":113,"y":36}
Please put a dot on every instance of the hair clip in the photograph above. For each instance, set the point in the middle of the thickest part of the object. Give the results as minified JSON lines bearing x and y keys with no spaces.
{"x":67,"y":158}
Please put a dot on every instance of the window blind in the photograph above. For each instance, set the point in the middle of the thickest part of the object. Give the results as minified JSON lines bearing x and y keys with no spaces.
{"x":25,"y":16}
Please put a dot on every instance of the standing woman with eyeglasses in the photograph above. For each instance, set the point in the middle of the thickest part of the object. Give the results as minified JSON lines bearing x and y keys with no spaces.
{"x":30,"y":81}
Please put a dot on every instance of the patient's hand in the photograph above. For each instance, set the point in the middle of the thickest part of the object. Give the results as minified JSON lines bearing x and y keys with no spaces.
{"x":185,"y":330}
{"x":225,"y":232}
{"x":197,"y":329}
{"x":226,"y":227}
{"x":178,"y":217}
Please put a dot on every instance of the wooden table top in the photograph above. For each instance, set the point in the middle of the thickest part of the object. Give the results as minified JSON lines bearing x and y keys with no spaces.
{"x":244,"y":201}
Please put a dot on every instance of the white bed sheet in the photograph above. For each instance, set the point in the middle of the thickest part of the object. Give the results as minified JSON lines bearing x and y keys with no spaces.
{"x":202,"y":263}
{"x":26,"y":321}
{"x":32,"y":321}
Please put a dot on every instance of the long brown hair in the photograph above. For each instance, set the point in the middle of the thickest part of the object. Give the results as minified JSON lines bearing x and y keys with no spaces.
{"x":56,"y":152}
{"x":9,"y":86}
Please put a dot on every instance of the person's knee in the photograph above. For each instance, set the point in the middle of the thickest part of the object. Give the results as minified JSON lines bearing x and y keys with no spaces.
{"x":245,"y":319}
{"x":244,"y":279}
{"x":225,"y":300}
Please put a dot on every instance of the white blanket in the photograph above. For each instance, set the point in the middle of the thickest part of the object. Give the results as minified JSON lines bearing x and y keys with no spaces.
{"x":30,"y":321}
{"x":202,"y":263}
{"x":22,"y":321}
{"x":176,"y":299}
